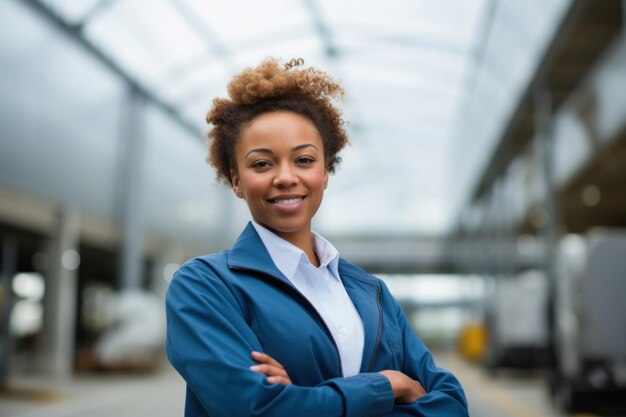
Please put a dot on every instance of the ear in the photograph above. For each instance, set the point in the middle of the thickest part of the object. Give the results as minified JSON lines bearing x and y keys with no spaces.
{"x":236,"y":184}
{"x":326,"y":174}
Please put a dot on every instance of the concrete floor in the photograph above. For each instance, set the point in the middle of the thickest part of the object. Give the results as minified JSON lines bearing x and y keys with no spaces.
{"x":162,"y":394}
{"x":101,"y":395}
{"x":506,"y":395}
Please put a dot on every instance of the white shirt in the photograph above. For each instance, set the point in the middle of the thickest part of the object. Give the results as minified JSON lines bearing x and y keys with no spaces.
{"x":324,"y":289}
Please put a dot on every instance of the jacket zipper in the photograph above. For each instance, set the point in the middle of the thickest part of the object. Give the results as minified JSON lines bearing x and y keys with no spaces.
{"x":293,"y":290}
{"x":380,"y":330}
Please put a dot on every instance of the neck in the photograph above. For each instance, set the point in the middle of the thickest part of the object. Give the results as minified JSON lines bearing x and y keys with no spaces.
{"x":302,"y":240}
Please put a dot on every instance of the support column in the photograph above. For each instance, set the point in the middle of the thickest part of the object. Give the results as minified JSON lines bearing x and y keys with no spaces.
{"x":624,"y":18}
{"x":545,"y":136}
{"x":130,"y":184}
{"x":9,"y":263}
{"x":58,"y":334}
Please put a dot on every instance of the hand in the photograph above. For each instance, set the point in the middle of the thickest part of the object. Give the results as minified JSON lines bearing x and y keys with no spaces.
{"x":270,"y":367}
{"x":405,"y":390}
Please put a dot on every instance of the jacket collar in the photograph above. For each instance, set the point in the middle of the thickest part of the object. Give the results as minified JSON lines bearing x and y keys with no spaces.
{"x":249,"y":252}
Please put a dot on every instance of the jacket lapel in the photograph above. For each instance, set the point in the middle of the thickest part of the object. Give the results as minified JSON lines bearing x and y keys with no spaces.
{"x":249,"y":252}
{"x":363,"y":291}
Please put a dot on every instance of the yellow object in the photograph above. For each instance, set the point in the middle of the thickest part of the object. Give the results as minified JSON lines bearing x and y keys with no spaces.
{"x":473,"y":341}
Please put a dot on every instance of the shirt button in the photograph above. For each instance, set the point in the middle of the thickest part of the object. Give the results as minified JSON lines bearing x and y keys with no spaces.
{"x":343,"y":331}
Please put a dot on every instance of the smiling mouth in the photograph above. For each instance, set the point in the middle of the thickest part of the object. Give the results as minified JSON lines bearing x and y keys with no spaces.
{"x":287,"y":201}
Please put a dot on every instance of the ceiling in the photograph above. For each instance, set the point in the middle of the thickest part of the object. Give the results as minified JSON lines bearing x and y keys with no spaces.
{"x":430,"y":86}
{"x":406,"y":66}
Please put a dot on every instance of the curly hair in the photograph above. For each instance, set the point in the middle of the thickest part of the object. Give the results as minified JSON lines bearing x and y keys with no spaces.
{"x":272,"y":87}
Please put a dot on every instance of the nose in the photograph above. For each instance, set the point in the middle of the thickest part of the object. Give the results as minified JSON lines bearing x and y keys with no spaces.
{"x":286,"y":176}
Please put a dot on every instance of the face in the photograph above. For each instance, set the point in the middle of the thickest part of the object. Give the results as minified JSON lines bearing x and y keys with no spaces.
{"x":281,"y":172}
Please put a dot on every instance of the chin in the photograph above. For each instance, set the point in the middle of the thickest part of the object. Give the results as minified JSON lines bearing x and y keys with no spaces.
{"x":284,"y":227}
{"x":288,"y":229}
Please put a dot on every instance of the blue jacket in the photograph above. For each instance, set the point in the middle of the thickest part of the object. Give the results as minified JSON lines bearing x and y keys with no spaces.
{"x":221,"y":307}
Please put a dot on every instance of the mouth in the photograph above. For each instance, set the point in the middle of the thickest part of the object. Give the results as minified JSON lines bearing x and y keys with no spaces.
{"x":287,"y":201}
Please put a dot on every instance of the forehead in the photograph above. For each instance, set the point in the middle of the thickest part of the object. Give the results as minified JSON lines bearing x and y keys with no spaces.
{"x":279,"y":127}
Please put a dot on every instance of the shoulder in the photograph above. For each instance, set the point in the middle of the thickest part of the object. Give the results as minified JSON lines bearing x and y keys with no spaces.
{"x":350,"y":270}
{"x":354,"y":271}
{"x":212,"y":260}
{"x":200,"y":270}
{"x":201,"y":280}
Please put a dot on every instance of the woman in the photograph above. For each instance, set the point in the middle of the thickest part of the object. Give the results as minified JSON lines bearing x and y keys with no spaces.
{"x":279,"y":325}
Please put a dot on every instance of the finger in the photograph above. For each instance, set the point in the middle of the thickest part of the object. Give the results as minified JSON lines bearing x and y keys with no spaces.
{"x":279,"y":380}
{"x":269,"y":370}
{"x":420,"y":390}
{"x":265,"y":358}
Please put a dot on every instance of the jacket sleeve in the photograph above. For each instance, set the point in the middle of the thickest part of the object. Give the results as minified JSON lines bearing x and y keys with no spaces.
{"x":209,"y":344}
{"x":444,"y":395}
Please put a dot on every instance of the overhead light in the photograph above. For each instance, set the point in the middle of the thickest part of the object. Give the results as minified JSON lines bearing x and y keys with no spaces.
{"x":70,"y":260}
{"x":29,"y":285}
{"x":26,"y":318}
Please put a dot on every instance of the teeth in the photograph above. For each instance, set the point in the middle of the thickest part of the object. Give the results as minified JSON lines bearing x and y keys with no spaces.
{"x":289,"y":201}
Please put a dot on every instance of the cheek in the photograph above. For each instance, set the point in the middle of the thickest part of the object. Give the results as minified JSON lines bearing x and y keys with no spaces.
{"x":317,"y":183}
{"x":254,"y":186}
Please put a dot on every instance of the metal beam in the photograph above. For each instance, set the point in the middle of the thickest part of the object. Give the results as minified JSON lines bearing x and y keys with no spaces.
{"x":543,"y":106}
{"x":8,"y":262}
{"x":210,"y":39}
{"x":330,"y":48}
{"x":500,"y":155}
{"x":624,"y":18}
{"x":411,"y":305}
{"x":75,"y":32}
{"x":131,"y":183}
{"x":95,"y":10}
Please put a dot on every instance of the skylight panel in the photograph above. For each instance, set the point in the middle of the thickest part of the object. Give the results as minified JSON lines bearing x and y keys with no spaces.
{"x":310,"y":49}
{"x":148,"y":44}
{"x":113,"y":38}
{"x":196,"y":111}
{"x":450,"y":21}
{"x":453,"y":20}
{"x":442,"y":67}
{"x":71,"y":11}
{"x":239,"y":21}
{"x":418,"y":84}
{"x":183,"y":90}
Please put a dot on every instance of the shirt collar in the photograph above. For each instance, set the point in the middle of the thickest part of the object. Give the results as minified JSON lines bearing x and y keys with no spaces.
{"x":287,"y":257}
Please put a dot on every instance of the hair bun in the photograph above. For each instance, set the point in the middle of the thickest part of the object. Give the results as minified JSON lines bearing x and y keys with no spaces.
{"x":270,"y":79}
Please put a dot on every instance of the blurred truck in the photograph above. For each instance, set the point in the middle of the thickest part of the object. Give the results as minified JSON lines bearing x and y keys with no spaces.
{"x":590,"y":369}
{"x":518,"y":330}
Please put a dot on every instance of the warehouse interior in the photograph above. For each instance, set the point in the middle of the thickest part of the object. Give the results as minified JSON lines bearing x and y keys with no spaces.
{"x":485,"y":183}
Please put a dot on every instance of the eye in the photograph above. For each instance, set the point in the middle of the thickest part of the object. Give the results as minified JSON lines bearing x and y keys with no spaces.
{"x":260,"y":164}
{"x":305,"y":160}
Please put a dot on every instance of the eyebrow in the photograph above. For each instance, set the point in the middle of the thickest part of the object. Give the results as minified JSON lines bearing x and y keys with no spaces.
{"x":269,"y":151}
